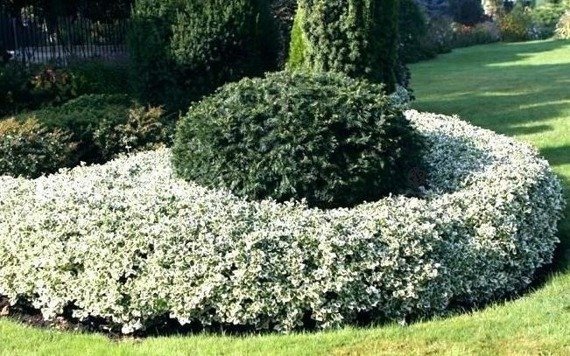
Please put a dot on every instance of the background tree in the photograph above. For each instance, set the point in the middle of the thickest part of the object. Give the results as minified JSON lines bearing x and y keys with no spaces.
{"x":412,"y":30}
{"x":356,"y":37}
{"x":435,"y":8}
{"x":184,"y":49}
{"x":467,"y":12}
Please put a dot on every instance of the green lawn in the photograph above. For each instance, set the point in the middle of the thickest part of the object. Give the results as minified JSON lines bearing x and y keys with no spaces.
{"x":521,"y":90}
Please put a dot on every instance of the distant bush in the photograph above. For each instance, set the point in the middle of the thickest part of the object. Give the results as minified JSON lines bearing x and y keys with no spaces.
{"x":545,"y":18}
{"x":481,"y":33}
{"x":99,"y":77}
{"x":82,"y":117}
{"x":435,"y":8}
{"x":24,"y":88}
{"x":143,"y":129}
{"x":440,"y":35}
{"x":424,"y":38}
{"x":354,"y":37}
{"x":54,"y":86}
{"x":28,"y":149}
{"x":563,"y":26}
{"x":182,"y":50}
{"x":329,"y":139}
{"x":516,"y":25}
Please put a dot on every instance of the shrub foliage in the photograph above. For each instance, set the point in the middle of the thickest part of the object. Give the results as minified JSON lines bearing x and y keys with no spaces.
{"x":355,"y":37}
{"x":481,"y":33}
{"x":546,"y":16}
{"x":412,"y":31}
{"x":182,"y":50}
{"x":516,"y":25}
{"x":35,"y":86}
{"x":563,"y":26}
{"x":332,"y":140}
{"x":104,"y":125}
{"x":27,"y":149}
{"x":82,"y":117}
{"x":15,"y":88}
{"x":130,"y":243}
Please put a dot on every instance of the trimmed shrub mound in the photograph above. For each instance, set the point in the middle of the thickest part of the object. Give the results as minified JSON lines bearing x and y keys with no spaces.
{"x":329,"y":139}
{"x":129,"y":242}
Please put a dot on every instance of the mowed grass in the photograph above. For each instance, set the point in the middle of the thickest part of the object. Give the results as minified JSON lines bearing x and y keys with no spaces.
{"x":522,"y":90}
{"x":518,"y":89}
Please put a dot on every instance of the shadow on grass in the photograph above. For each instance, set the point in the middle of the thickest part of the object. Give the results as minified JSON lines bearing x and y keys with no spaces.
{"x":528,"y":130}
{"x":492,"y":89}
{"x":500,"y":88}
{"x":524,"y":113}
{"x":520,"y":51}
{"x":557,"y":156}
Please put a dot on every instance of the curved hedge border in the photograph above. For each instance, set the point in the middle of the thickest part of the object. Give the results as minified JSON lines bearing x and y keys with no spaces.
{"x":129,"y":242}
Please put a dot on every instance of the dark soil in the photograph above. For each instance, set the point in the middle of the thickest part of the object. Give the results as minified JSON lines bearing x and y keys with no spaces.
{"x":161,"y":326}
{"x":26,"y":314}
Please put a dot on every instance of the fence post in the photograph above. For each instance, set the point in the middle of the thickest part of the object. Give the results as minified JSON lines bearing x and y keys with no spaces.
{"x":16,"y":46}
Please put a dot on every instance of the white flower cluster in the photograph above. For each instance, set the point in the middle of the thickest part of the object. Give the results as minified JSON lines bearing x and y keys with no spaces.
{"x":128,"y":241}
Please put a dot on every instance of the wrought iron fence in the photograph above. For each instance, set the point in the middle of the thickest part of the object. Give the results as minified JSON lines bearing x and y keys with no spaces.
{"x":32,"y":38}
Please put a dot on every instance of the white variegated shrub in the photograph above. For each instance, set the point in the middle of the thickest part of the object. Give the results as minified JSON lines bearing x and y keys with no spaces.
{"x":129,"y":242}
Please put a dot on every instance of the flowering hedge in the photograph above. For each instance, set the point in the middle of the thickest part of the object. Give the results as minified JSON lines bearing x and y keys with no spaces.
{"x":129,"y":242}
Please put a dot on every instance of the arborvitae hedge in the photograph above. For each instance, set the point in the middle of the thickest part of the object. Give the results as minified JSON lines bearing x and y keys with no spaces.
{"x":184,"y":49}
{"x":356,"y":37}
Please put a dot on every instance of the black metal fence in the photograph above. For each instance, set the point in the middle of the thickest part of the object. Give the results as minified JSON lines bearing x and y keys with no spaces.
{"x":32,"y":38}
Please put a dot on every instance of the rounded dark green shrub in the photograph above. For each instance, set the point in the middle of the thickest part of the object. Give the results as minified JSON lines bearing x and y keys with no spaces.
{"x":327,"y":138}
{"x":183,"y":49}
{"x":355,"y":37}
